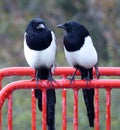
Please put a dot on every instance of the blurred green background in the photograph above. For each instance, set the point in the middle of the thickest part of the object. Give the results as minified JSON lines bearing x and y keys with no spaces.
{"x":102,"y":19}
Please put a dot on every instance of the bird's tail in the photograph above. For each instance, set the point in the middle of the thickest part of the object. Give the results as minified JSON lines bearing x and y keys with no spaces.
{"x":89,"y":101}
{"x":88,"y":95}
{"x":43,"y":74}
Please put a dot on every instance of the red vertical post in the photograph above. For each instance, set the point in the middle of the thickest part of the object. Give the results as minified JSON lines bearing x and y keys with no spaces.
{"x":96,"y":100}
{"x":10,"y":112}
{"x":75,"y":115}
{"x":33,"y":121}
{"x":44,"y":99}
{"x":108,"y":112}
{"x":1,"y":109}
{"x":64,"y":112}
{"x":1,"y":119}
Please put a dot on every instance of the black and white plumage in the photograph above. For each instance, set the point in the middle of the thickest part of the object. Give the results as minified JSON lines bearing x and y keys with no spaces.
{"x":40,"y":51}
{"x":81,"y":54}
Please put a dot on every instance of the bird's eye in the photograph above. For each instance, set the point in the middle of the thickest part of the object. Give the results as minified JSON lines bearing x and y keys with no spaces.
{"x":34,"y":25}
{"x":66,"y":25}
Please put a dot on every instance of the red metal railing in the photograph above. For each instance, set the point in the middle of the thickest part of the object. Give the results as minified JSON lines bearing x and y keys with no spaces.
{"x":107,"y":84}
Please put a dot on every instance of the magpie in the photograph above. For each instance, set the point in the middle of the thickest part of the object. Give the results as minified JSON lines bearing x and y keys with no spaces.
{"x":81,"y":54}
{"x":40,"y":51}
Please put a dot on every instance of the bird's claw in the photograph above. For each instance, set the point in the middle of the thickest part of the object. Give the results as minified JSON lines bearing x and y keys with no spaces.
{"x":71,"y":80}
{"x":87,"y":80}
{"x":50,"y":79}
{"x":37,"y":80}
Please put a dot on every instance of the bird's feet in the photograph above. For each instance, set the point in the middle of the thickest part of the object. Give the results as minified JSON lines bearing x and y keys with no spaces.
{"x":87,"y":80}
{"x":37,"y":80}
{"x":50,"y":80}
{"x":71,"y":79}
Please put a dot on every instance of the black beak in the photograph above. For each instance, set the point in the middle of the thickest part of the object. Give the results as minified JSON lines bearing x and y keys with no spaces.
{"x":61,"y":26}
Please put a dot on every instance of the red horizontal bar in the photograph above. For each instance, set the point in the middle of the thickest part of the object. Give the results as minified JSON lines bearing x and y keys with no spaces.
{"x":18,"y":71}
{"x":103,"y":71}
{"x":26,"y":84}
{"x":22,"y":71}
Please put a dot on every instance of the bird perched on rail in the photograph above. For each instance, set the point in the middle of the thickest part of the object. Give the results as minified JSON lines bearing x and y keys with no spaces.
{"x":81,"y":54}
{"x":40,"y":51}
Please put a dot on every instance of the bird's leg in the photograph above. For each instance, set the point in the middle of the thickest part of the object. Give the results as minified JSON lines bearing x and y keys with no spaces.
{"x":50,"y":78}
{"x":88,"y":77}
{"x":73,"y":77}
{"x":36,"y":76}
{"x":97,"y":71}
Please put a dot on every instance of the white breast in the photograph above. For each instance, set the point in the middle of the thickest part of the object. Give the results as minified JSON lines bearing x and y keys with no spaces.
{"x":86,"y":56}
{"x":45,"y":57}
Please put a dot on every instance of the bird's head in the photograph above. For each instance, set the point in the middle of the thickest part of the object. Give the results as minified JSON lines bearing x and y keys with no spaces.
{"x":74,"y":28}
{"x":69,"y":26}
{"x":37,"y":24}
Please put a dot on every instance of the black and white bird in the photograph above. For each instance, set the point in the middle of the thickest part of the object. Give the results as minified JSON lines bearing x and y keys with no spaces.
{"x":81,"y":54}
{"x":40,"y":51}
